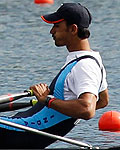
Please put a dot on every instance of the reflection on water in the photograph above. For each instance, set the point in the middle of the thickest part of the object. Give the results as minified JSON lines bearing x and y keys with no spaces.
{"x":28,"y":56}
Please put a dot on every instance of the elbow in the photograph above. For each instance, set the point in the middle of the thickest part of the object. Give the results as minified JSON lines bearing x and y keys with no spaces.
{"x":88,"y":114}
{"x":87,"y":108}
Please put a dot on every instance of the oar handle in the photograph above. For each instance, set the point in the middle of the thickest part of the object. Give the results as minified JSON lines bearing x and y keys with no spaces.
{"x":29,"y":92}
{"x":14,"y":106}
{"x":12,"y":97}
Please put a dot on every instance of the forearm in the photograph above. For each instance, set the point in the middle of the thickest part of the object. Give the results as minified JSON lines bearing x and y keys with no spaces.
{"x":74,"y":108}
{"x":68,"y":107}
{"x":83,"y":108}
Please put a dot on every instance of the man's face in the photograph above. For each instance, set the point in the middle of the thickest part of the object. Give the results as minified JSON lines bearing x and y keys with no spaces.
{"x":60,"y":33}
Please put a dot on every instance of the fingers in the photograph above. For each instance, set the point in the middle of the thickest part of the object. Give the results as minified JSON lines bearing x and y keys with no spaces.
{"x":40,"y":91}
{"x":40,"y":88}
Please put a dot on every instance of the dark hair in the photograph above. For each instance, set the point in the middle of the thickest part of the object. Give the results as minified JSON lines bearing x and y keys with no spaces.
{"x":83,"y":33}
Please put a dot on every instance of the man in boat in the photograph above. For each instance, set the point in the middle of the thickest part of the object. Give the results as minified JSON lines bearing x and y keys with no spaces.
{"x":79,"y":89}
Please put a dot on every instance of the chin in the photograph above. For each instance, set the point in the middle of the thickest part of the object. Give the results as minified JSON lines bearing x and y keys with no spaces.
{"x":58,"y":44}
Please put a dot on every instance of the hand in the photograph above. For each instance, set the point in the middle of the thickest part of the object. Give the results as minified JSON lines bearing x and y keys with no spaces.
{"x":40,"y":91}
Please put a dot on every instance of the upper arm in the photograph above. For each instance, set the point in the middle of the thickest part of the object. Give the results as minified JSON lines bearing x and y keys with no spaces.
{"x":103,"y":99}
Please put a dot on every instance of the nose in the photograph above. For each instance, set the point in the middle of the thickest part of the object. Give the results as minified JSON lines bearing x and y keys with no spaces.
{"x":52,"y":30}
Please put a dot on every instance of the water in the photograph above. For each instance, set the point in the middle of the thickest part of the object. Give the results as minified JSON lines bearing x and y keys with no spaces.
{"x":27,"y":56}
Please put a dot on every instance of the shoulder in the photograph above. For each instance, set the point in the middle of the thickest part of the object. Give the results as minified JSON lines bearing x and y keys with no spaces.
{"x":89,"y":61}
{"x":86,"y":60}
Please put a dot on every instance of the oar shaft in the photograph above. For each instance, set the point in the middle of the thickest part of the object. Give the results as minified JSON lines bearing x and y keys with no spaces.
{"x":13,"y":106}
{"x":12,"y":97}
{"x":45,"y":134}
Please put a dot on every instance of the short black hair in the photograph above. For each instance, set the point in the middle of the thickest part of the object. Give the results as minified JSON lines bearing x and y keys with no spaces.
{"x":83,"y":33}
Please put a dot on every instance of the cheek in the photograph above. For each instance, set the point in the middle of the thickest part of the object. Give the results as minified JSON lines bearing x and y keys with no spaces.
{"x":60,"y":39}
{"x":61,"y":35}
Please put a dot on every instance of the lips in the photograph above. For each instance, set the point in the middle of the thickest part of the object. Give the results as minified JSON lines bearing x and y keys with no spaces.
{"x":53,"y":37}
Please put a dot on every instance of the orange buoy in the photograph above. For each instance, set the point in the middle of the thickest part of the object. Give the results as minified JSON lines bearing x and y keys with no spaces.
{"x":44,"y":1}
{"x":110,"y":121}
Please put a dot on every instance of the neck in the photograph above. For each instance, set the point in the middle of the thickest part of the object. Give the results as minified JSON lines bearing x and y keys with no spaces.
{"x":79,"y":45}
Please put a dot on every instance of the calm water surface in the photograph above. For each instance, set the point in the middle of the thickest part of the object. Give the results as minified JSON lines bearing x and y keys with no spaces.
{"x":28,"y":56}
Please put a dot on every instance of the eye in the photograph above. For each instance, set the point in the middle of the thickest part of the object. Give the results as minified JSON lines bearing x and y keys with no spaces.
{"x":56,"y":25}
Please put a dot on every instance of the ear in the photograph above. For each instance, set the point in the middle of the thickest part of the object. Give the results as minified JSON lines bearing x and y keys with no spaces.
{"x":74,"y":29}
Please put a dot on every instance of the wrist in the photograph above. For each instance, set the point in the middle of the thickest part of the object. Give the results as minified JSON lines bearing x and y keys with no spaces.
{"x":49,"y":99}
